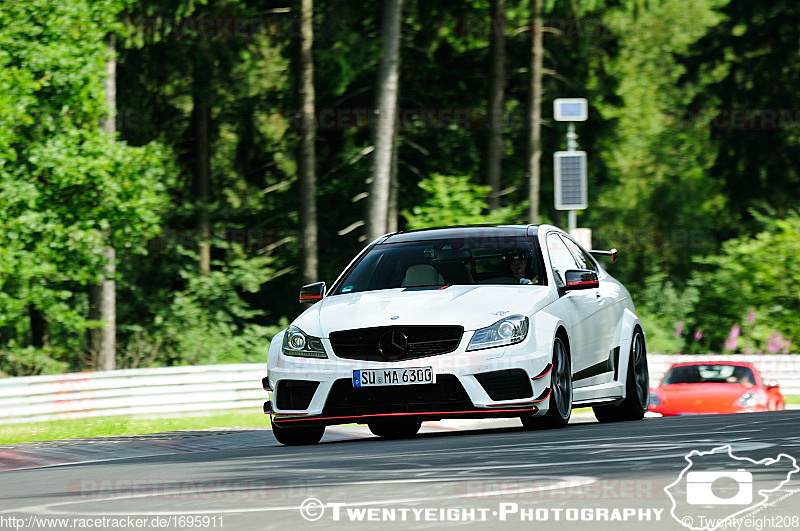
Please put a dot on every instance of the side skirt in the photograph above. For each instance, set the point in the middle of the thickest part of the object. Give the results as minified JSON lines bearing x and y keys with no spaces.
{"x":606,"y":393}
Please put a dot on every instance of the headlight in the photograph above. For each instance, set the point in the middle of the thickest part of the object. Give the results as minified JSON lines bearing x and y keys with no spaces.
{"x":506,"y":331}
{"x":297,"y":343}
{"x":749,"y":399}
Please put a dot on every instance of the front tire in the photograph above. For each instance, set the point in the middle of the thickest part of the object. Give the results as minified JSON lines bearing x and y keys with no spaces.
{"x":298,"y":436}
{"x":637,"y":387}
{"x":401,"y":429}
{"x":560,"y":408}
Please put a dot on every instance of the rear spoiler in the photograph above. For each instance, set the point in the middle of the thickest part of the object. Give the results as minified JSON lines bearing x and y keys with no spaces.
{"x":612,"y":253}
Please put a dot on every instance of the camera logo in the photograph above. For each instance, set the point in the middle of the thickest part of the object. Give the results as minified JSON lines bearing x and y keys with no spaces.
{"x":700,"y":488}
{"x":717,"y":486}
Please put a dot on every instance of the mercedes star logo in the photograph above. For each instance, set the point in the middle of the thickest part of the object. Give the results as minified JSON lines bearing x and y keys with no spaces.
{"x":393,"y":344}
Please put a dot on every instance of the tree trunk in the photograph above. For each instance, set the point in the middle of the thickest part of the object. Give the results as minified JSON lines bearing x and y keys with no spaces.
{"x":308,"y":175}
{"x":535,"y":149}
{"x":385,"y":121}
{"x":102,"y":296}
{"x":494,"y":146}
{"x":394,"y":187}
{"x":104,"y":339}
{"x":110,"y":86}
{"x":201,"y":112}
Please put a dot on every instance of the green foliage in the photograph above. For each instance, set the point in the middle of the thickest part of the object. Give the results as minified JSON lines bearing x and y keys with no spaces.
{"x":752,"y":284}
{"x":101,"y":186}
{"x":67,"y":189}
{"x":29,"y":361}
{"x":252,"y":171}
{"x":210,"y":320}
{"x":59,"y":45}
{"x":661,"y":206}
{"x":454,"y":200}
{"x":663,"y":310}
{"x":749,"y":66}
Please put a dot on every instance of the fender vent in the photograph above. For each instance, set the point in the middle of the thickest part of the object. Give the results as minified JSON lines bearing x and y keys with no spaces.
{"x":295,"y":394}
{"x":506,"y":385}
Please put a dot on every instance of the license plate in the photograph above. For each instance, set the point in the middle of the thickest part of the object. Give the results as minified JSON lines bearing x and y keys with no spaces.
{"x":408,"y":376}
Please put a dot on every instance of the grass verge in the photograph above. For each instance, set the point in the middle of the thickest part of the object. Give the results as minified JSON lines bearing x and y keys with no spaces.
{"x":792,"y":399}
{"x":129,"y":425}
{"x":135,"y":425}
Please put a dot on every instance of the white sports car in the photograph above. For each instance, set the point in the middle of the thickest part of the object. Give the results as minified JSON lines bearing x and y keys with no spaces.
{"x":465,"y":322}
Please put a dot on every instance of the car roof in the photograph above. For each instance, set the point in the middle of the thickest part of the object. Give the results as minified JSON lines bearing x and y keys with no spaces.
{"x":444,"y":233}
{"x":713,"y":362}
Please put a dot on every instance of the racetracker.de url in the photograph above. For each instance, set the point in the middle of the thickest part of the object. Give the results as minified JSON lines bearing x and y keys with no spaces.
{"x":112,"y":522}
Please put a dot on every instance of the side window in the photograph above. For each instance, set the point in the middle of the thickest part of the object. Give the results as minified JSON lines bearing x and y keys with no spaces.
{"x":561,"y":258}
{"x":584,"y":262}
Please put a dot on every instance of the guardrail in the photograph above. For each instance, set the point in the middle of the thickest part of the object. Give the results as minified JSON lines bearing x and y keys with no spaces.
{"x":132,"y":392}
{"x":198,"y":389}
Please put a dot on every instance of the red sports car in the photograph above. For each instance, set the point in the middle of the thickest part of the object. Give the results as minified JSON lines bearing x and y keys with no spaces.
{"x":706,"y":387}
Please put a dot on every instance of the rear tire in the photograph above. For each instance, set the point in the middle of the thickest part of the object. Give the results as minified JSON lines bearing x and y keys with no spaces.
{"x":637,"y":387}
{"x":560,"y":408}
{"x":298,"y":436}
{"x":400,"y":429}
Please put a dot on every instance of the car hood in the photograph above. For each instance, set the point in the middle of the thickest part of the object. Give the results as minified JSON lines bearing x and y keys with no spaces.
{"x":472,"y":307}
{"x":702,"y":397}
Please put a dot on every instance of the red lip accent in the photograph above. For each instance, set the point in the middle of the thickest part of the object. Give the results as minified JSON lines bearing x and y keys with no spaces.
{"x":433,"y":414}
{"x":544,"y":396}
{"x":545,"y":372}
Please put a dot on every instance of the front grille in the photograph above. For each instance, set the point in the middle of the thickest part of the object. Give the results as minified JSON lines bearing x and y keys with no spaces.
{"x":295,"y":394}
{"x":506,"y":385}
{"x":447,"y":394}
{"x":362,"y":344}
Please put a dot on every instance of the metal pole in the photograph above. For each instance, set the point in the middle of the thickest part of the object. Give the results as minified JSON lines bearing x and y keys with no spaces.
{"x":572,"y":145}
{"x":572,"y":137}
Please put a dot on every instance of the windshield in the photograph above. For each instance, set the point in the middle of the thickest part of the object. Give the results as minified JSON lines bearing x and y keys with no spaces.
{"x":436,"y":263}
{"x":717,"y":373}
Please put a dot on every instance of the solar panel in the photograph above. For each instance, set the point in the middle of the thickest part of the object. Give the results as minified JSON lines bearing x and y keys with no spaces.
{"x":570,"y":109}
{"x":570,"y":177}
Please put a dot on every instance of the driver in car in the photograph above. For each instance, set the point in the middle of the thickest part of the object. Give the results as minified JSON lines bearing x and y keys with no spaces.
{"x":518,"y":262}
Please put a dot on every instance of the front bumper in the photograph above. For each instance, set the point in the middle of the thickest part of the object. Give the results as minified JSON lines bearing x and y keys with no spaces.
{"x":457,"y":393}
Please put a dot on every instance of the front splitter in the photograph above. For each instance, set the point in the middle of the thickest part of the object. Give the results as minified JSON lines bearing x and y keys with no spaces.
{"x":324,"y":420}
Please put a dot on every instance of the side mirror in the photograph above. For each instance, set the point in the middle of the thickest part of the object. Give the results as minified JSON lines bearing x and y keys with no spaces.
{"x":773,"y":384}
{"x":312,"y":293}
{"x":612,"y":253}
{"x":581,"y":279}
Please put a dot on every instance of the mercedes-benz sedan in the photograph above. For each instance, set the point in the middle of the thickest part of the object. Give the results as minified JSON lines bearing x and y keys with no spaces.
{"x":466,"y":322}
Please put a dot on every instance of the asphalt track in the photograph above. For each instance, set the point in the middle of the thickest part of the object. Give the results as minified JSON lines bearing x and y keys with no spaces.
{"x":480,"y":475}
